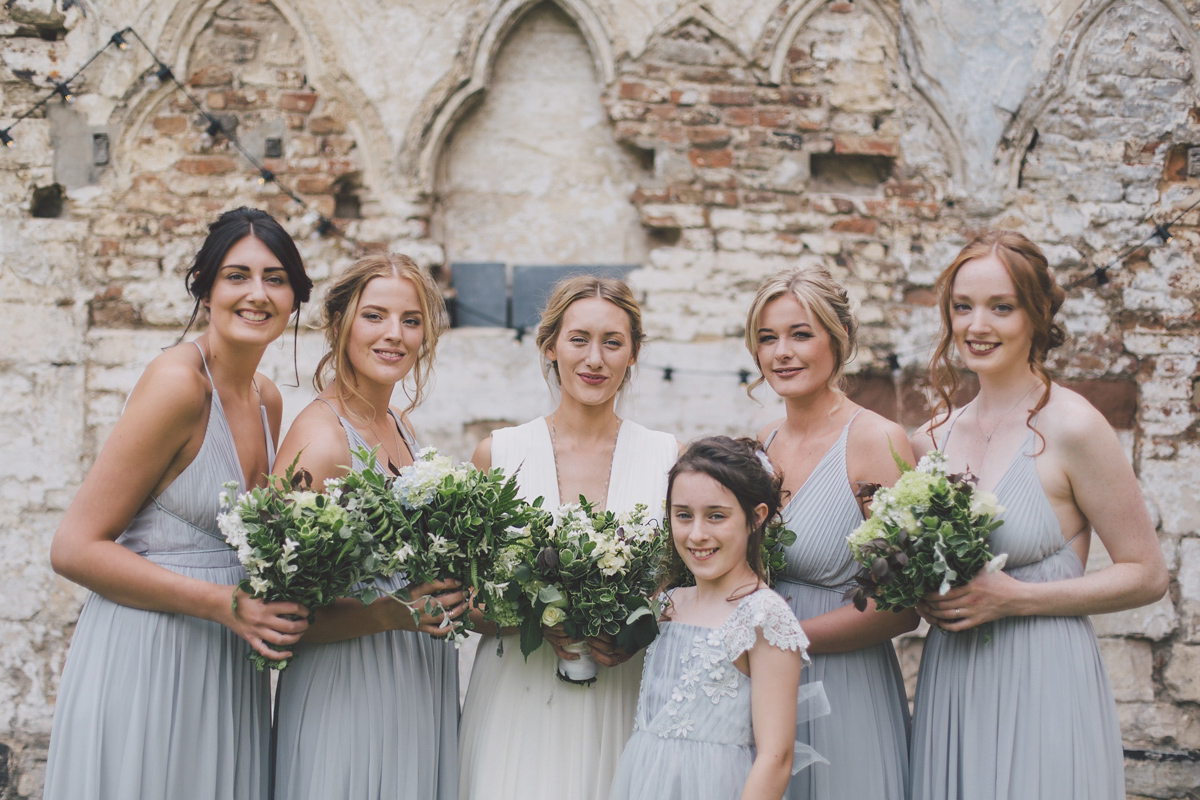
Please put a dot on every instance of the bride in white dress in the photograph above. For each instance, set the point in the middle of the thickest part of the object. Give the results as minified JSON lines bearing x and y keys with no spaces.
{"x":524,"y":733}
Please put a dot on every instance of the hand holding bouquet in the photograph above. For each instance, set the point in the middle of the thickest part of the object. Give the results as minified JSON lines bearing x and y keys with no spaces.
{"x":927,"y":533}
{"x":594,"y":574}
{"x":296,"y":545}
{"x":437,"y":521}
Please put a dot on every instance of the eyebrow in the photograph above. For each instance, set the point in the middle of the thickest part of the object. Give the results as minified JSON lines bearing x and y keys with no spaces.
{"x":790,"y":327}
{"x":1009,"y":296}
{"x":247,"y":269}
{"x":589,"y":333}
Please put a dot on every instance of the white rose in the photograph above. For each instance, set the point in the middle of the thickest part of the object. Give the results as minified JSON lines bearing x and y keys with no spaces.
{"x":553,"y":615}
{"x":985,"y":504}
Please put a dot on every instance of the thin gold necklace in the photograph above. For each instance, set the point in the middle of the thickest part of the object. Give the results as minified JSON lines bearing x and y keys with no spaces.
{"x":558,"y":473}
{"x":395,"y":441}
{"x":987,"y":437}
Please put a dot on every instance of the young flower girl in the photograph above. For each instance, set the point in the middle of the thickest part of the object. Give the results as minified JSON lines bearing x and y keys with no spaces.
{"x":716,"y":717}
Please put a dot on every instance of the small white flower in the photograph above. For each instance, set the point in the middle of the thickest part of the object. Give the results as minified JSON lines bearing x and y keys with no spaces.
{"x":997,"y":563}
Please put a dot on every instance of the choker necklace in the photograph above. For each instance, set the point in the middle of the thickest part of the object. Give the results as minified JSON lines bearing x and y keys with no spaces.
{"x":558,"y":474}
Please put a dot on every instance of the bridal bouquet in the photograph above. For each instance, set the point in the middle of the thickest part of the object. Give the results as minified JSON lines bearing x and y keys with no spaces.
{"x":436,"y":520}
{"x":928,"y":532}
{"x":593,"y":573}
{"x":296,"y":545}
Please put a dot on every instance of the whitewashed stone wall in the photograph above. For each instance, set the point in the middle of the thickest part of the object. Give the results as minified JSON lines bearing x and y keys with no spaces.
{"x":709,"y":143}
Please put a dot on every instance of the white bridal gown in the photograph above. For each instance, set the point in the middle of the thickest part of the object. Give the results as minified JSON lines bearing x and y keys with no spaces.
{"x":524,"y":733}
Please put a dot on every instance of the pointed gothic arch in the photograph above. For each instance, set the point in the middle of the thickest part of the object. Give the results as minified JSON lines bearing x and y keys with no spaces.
{"x":174,"y":39}
{"x":781,"y":30}
{"x":460,"y":90}
{"x":1019,"y":132}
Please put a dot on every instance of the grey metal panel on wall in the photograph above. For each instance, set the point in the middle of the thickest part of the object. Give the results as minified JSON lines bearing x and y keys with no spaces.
{"x":481,"y":290}
{"x":532,"y":286}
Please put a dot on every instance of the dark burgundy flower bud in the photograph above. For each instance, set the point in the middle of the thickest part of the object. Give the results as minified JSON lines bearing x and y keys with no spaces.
{"x":547,"y":559}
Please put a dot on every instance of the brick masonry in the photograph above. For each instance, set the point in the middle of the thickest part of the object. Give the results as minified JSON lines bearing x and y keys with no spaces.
{"x":870,"y":141}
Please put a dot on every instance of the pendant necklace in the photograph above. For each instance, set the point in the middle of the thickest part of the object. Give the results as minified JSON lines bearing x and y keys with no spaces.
{"x":558,"y":474}
{"x":395,"y":440}
{"x":987,"y":437}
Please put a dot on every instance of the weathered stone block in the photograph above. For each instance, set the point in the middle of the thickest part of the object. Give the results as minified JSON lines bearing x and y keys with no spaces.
{"x":1182,"y":675}
{"x":1130,"y":666}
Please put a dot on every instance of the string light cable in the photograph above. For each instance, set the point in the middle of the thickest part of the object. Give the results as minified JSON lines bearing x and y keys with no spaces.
{"x":324,"y":225}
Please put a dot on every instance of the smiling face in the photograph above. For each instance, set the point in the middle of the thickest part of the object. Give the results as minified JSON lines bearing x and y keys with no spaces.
{"x":386,"y":333}
{"x":592,"y":351}
{"x":794,"y":349}
{"x":251,"y":298}
{"x":992,"y":332}
{"x":709,"y":528}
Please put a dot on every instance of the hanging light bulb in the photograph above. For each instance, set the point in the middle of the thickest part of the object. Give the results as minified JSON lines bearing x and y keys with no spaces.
{"x":1163,"y":232}
{"x":5,"y":139}
{"x":63,"y":91}
{"x":265,"y":176}
{"x":119,"y":41}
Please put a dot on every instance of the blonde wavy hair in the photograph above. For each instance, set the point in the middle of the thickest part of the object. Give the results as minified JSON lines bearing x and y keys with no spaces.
{"x":822,"y":297}
{"x":580,"y":287}
{"x":337,"y":317}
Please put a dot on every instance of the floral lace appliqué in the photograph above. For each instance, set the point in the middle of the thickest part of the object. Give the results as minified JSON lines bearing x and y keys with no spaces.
{"x":769,"y":612}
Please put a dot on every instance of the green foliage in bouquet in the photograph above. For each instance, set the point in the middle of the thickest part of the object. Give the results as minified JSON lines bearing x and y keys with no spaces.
{"x":927,"y":533}
{"x":440,"y":521}
{"x":776,"y":539}
{"x":594,"y":573}
{"x":296,"y":545}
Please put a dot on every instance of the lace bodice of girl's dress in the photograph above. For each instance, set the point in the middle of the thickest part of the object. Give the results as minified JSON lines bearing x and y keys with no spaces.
{"x":693,"y":736}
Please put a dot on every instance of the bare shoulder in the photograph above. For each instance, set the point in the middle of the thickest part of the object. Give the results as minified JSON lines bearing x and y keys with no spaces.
{"x":173,"y":384}
{"x":925,"y":437}
{"x":768,"y":428}
{"x":1069,"y":421}
{"x":318,"y":439}
{"x":872,"y":428}
{"x":482,"y":459}
{"x":870,"y":444}
{"x":271,"y":398}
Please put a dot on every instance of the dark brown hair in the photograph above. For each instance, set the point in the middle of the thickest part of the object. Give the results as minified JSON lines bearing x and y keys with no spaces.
{"x":1037,"y":295}
{"x":736,"y":465}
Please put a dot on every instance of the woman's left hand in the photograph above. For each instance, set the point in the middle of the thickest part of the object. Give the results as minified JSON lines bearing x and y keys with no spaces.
{"x":989,"y":596}
{"x":606,"y":652}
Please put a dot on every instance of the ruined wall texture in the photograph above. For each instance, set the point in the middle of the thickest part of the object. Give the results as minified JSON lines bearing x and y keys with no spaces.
{"x":707,"y":145}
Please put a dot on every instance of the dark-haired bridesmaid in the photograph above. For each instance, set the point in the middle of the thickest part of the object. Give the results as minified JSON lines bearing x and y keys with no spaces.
{"x":801,"y":333}
{"x":1012,"y":698}
{"x":157,"y":699}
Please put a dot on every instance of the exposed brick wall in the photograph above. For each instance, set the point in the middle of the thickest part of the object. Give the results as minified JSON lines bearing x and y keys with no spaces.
{"x":840,"y":162}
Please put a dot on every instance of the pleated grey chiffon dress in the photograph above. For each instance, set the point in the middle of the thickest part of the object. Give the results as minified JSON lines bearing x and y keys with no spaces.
{"x":372,"y":717}
{"x":865,"y":736}
{"x":1029,"y":714}
{"x":157,"y":706}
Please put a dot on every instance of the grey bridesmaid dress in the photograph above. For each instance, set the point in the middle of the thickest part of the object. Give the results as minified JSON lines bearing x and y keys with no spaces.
{"x":368,"y":718}
{"x":1030,"y":713}
{"x":157,"y":706}
{"x":865,"y":735}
